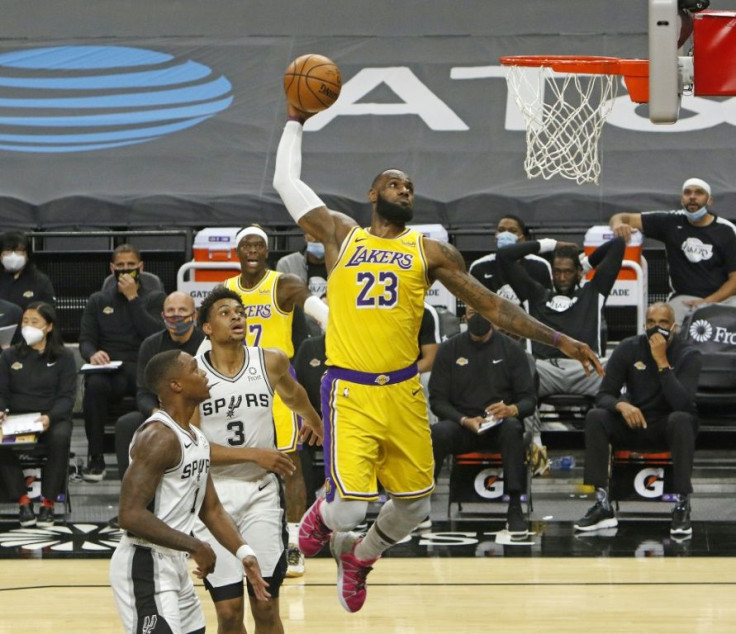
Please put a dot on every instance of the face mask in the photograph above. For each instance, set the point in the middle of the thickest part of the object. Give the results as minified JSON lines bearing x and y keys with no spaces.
{"x":316,"y":249}
{"x":14,"y":262}
{"x":32,"y":335}
{"x":694,"y":216}
{"x":506,"y":238}
{"x":179,"y":325}
{"x":478,"y":325}
{"x":134,"y":273}
{"x":650,"y":332}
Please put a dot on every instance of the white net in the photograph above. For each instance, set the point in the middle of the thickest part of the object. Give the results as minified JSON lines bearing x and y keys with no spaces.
{"x":564,"y":115}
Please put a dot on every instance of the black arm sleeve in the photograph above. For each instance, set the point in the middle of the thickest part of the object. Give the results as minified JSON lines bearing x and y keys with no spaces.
{"x":524,"y":285}
{"x":606,"y":260}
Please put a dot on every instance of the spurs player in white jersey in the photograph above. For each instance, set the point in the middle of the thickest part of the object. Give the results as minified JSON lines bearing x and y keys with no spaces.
{"x":237,"y":419}
{"x":165,"y":488}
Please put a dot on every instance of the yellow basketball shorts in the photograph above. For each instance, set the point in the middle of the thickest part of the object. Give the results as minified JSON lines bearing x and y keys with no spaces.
{"x":376,"y":429}
{"x":286,"y":422}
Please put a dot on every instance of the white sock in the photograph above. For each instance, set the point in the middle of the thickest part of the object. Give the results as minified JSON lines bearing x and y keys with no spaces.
{"x":293,"y":532}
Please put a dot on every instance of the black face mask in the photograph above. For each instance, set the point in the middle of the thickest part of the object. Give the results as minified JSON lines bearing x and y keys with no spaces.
{"x":396,"y":214}
{"x":478,"y":325}
{"x":650,"y":332}
{"x":134,"y":273}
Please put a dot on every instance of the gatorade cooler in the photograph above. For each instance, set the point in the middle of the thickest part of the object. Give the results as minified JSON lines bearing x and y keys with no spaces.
{"x":215,"y":244}
{"x":628,"y":287}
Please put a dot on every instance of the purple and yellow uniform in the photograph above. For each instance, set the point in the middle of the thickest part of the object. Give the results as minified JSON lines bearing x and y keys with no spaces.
{"x":268,"y":326}
{"x":372,"y":401}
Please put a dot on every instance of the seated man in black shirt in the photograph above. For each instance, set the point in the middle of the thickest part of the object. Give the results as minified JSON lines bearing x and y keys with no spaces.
{"x":700,"y":246}
{"x":477,"y":375}
{"x":180,"y":333}
{"x":510,"y":230}
{"x":659,"y":372}
{"x":570,"y":308}
{"x":114,"y":324}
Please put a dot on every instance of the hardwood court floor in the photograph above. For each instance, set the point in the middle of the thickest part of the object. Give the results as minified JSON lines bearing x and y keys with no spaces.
{"x":418,"y":596}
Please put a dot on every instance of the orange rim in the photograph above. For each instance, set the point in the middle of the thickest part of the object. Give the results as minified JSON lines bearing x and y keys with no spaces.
{"x":634,"y":71}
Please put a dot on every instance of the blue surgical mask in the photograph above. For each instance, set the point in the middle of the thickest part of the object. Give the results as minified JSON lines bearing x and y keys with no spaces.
{"x":505,"y":239}
{"x":316,"y":249}
{"x":694,"y":216}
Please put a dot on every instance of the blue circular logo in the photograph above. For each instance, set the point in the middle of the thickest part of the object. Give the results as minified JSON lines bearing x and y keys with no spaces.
{"x":82,"y":98}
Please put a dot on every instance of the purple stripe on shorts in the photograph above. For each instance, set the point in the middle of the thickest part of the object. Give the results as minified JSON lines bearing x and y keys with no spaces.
{"x":369,"y":378}
{"x":327,"y":421}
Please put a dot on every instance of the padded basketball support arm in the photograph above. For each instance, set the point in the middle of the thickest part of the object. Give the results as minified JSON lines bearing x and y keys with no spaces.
{"x":298,"y":197}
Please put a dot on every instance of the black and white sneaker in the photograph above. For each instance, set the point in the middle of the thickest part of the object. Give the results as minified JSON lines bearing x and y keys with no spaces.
{"x":596,"y":518}
{"x":45,"y":517}
{"x":26,"y":516}
{"x":516,"y":524}
{"x":681,"y":525}
{"x":95,"y":469}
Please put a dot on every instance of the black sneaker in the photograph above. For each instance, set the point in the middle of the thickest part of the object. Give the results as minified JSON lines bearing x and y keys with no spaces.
{"x":516,"y":524}
{"x":26,"y":516}
{"x":596,"y":518}
{"x":681,"y":520}
{"x":45,"y":517}
{"x":95,"y":469}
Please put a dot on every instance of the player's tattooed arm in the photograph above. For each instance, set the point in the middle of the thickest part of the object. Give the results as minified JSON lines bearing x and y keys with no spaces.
{"x":446,"y":264}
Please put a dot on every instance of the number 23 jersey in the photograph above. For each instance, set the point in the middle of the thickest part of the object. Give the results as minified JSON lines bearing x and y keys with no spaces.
{"x":238,"y":412}
{"x":376,"y":293}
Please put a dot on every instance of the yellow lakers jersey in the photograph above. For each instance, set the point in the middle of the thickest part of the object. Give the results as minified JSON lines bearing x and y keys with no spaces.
{"x":376,"y":296}
{"x":266,"y":324}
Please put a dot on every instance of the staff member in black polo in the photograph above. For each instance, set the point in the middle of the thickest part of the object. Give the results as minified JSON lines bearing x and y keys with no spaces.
{"x":39,"y":375}
{"x":114,"y":324}
{"x":659,"y":372}
{"x":20,"y":281}
{"x":477,"y":374}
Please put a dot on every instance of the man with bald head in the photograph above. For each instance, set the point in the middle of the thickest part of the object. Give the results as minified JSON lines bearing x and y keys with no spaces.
{"x":658,"y":372}
{"x":180,"y":333}
{"x":700,"y":245}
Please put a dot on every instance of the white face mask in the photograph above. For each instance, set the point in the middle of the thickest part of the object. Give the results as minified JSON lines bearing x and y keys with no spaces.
{"x":32,"y":335}
{"x":14,"y":262}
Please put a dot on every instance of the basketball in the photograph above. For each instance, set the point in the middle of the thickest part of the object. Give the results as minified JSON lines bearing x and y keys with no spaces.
{"x":312,"y":83}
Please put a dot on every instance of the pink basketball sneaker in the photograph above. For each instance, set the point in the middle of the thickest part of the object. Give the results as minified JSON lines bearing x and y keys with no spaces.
{"x":313,"y":534}
{"x":351,"y":571}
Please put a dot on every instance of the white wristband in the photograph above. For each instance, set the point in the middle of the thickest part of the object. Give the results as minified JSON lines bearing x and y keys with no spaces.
{"x":297,"y":196}
{"x":244,"y":551}
{"x":315,"y":307}
{"x":547,"y":245}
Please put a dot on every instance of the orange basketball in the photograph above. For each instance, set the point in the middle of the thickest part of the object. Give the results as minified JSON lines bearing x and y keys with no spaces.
{"x":312,"y":83}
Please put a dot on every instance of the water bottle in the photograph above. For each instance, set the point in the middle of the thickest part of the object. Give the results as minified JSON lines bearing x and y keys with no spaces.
{"x":563,"y":463}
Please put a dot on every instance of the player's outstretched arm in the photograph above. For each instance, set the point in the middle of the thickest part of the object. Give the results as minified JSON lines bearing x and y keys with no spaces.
{"x":293,"y":394}
{"x":302,"y":203}
{"x":155,"y":451}
{"x":447,"y":265}
{"x":268,"y":459}
{"x":624,"y":224}
{"x":224,"y":530}
{"x":292,"y":291}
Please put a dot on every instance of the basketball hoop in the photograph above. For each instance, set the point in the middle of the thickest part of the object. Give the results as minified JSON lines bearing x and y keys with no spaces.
{"x":565,"y":100}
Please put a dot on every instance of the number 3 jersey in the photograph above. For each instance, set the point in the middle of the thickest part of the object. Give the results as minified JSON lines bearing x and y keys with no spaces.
{"x":238,"y":412}
{"x":376,"y":293}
